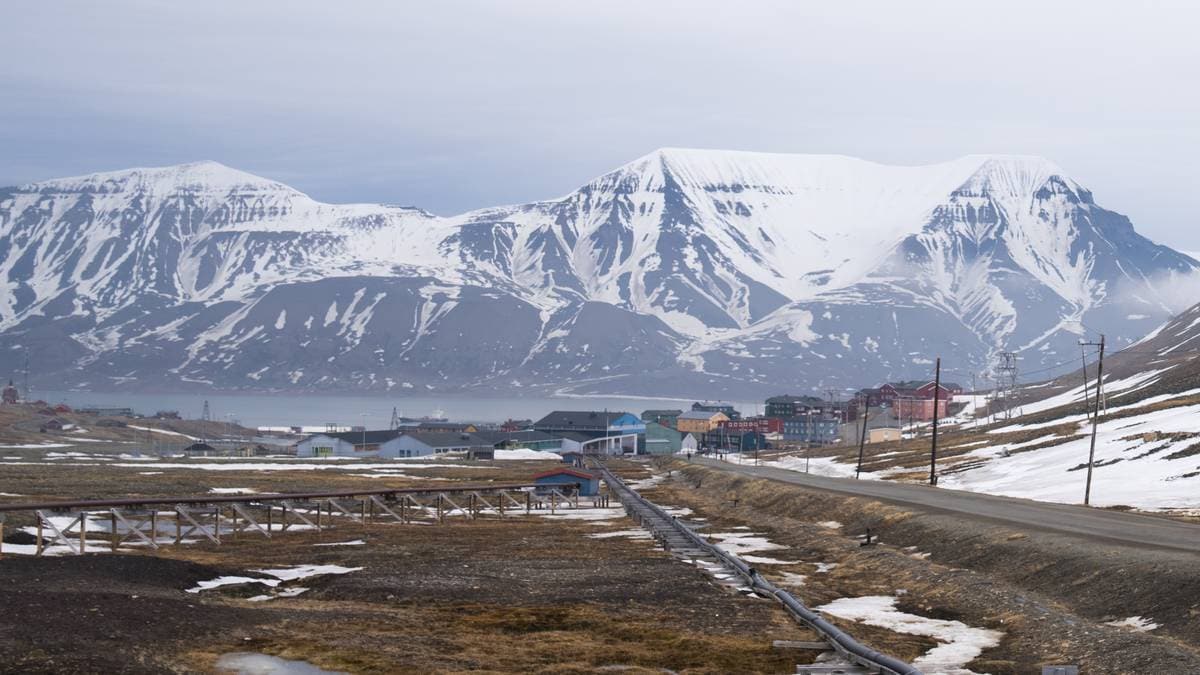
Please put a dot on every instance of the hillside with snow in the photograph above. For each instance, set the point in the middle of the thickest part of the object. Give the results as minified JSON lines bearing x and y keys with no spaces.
{"x":732,"y":273}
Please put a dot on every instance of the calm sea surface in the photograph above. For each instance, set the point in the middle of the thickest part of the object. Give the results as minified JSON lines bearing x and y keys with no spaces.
{"x":375,"y":411}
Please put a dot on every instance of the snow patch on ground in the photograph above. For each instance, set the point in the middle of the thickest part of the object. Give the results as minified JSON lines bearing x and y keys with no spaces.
{"x":1138,"y":623}
{"x":526,"y":453}
{"x":959,"y":643}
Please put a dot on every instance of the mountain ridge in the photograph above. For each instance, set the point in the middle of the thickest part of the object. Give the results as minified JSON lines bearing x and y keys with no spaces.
{"x":731,"y":269}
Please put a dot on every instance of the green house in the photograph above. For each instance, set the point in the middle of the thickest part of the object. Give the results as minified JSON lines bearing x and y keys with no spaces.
{"x":662,"y":440}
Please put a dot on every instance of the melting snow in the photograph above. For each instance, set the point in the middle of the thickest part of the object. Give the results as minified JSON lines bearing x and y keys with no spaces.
{"x":1140,"y":624}
{"x":960,"y":643}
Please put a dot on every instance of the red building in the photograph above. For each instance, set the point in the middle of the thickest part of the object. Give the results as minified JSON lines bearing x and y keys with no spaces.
{"x":918,"y":409}
{"x":946,"y":394}
{"x":762,"y":425}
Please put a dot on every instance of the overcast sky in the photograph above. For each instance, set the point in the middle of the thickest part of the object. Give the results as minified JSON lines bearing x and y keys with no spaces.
{"x":456,"y":105}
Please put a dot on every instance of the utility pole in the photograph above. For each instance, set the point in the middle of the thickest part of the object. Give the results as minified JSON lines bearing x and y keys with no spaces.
{"x":862,"y":439}
{"x":1087,"y":491}
{"x":937,"y":390}
{"x":1087,"y":406}
{"x":974,"y":403}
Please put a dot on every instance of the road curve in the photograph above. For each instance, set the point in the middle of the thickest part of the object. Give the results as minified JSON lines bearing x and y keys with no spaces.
{"x":1113,"y":526}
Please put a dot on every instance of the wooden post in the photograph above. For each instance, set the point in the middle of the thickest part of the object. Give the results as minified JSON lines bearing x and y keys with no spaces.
{"x":471,"y":506}
{"x":178,"y":528}
{"x":528,"y":502}
{"x":439,"y":508}
{"x":233,"y":517}
{"x":937,"y":387}
{"x":217,"y":524}
{"x":154,"y":526}
{"x":82,"y":532}
{"x":404,"y":509}
{"x":500,"y":499}
{"x":364,"y":512}
{"x":40,"y":541}
{"x":112,"y":532}
{"x":283,"y":521}
{"x":1,"y":536}
{"x":318,"y":516}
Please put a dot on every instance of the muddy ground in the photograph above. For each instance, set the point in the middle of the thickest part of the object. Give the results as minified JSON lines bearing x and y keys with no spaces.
{"x":1051,"y":595}
{"x":526,"y":594}
{"x":534,"y":594}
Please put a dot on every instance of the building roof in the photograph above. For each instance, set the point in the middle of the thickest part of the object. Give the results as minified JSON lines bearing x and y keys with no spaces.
{"x":570,"y":472}
{"x":581,"y":418}
{"x":360,"y":437}
{"x":581,"y":436}
{"x":663,"y":413}
{"x":450,"y":439}
{"x":700,"y":414}
{"x":789,"y":398}
{"x":528,"y":436}
{"x":910,"y":384}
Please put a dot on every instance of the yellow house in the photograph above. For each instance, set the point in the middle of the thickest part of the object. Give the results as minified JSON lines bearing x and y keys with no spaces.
{"x":699,"y":421}
{"x":883,"y":434}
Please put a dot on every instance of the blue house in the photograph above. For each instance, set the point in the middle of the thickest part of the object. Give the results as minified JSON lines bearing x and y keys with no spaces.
{"x":589,"y":484}
{"x":598,"y":432}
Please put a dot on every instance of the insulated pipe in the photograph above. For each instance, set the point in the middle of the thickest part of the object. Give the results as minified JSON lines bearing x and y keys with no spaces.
{"x":839,"y":639}
{"x":101,"y":504}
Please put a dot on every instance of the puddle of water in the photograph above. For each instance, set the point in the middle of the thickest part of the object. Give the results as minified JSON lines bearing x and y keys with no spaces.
{"x":251,"y":663}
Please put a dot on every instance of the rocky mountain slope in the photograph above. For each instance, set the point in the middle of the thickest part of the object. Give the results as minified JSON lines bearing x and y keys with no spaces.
{"x":681,"y":273}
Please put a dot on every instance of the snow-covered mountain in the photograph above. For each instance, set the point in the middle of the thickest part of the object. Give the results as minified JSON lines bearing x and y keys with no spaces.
{"x":685,"y":272}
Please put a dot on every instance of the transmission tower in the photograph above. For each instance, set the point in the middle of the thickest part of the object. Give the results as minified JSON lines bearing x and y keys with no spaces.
{"x":395,"y":419}
{"x":1006,"y":383}
{"x":206,"y":416}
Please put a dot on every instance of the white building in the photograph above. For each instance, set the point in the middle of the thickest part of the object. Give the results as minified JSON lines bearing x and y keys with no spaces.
{"x":383,"y":443}
{"x":688,"y":444}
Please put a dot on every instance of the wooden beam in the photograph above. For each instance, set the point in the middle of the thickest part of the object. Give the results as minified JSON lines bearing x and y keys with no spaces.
{"x":238,"y":508}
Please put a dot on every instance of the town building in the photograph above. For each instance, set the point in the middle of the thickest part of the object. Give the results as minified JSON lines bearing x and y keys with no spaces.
{"x":516,"y":425}
{"x":762,"y":425}
{"x":946,"y":391}
{"x":566,"y":479}
{"x":700,"y":421}
{"x":199,"y":449}
{"x":910,"y":410}
{"x":427,"y":443}
{"x":667,"y":418}
{"x":790,"y":406}
{"x":531,"y":439}
{"x":102,"y":411}
{"x":723,"y":408}
{"x":872,"y":396}
{"x":735,"y":441}
{"x":380,"y":443}
{"x":813,"y":429}
{"x":883,"y":434}
{"x":689,"y":444}
{"x":593,"y":432}
{"x":661,"y":439}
